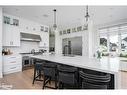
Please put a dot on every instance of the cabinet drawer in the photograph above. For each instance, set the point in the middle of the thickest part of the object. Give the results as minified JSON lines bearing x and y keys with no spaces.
{"x":12,"y":57}
{"x":11,"y":69}
{"x":12,"y":62}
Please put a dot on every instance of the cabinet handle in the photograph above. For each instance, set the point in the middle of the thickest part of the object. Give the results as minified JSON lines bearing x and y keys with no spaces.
{"x":13,"y":68}
{"x":13,"y":57}
{"x":13,"y":62}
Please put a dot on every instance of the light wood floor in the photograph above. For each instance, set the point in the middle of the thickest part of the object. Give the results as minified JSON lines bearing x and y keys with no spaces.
{"x":23,"y":80}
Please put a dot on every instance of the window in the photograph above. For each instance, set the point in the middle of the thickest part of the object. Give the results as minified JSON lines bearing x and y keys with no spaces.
{"x":113,"y":45}
{"x":103,"y":43}
{"x":123,"y":45}
{"x":111,"y":38}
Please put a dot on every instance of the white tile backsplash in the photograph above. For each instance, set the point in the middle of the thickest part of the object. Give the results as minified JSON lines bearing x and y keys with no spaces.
{"x":25,"y":47}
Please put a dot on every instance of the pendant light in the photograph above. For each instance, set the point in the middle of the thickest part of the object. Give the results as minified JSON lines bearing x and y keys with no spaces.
{"x":54,"y":25}
{"x":87,"y":16}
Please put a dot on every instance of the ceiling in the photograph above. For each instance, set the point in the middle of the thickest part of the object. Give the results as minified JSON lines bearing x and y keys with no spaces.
{"x":68,"y":16}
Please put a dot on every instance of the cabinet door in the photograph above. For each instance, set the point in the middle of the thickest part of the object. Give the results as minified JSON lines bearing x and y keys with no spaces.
{"x":7,"y":35}
{"x":45,"y":40}
{"x":11,"y":35}
{"x":15,"y":36}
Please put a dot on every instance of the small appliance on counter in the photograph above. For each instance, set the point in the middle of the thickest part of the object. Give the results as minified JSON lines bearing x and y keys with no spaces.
{"x":6,"y":52}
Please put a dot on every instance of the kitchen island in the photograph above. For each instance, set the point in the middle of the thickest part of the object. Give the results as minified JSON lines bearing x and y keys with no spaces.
{"x":105,"y":64}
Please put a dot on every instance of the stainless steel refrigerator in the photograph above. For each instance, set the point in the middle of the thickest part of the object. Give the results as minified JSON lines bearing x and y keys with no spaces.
{"x":72,"y":46}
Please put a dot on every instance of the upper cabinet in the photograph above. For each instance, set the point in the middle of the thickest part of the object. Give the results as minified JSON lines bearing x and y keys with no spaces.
{"x":45,"y":40}
{"x":12,"y":26}
{"x":32,"y":27}
{"x":11,"y":32}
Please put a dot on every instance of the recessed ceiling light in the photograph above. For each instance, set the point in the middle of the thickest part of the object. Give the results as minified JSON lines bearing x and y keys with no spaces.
{"x":36,"y":16}
{"x":78,"y":19}
{"x":17,"y":9}
{"x":111,"y":8}
{"x":45,"y":15}
{"x":110,"y":16}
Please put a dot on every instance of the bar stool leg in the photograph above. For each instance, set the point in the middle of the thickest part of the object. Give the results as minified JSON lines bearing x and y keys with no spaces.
{"x":34,"y":76}
{"x":44,"y":83}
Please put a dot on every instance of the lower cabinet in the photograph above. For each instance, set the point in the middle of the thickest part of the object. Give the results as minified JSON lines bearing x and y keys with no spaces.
{"x":12,"y":63}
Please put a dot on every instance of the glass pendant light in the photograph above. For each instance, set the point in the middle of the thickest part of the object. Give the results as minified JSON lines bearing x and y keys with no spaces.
{"x":54,"y":25}
{"x":87,"y":16}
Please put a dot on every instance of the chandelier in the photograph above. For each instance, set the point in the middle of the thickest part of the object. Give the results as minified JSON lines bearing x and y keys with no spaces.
{"x":54,"y":25}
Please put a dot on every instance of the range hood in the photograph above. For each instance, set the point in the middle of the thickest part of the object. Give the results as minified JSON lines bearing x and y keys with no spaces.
{"x":30,"y":37}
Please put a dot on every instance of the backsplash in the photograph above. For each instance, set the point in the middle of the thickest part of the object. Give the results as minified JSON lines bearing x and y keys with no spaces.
{"x":25,"y":47}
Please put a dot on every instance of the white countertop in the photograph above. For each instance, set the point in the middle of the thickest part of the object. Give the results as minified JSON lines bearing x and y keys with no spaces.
{"x":105,"y":64}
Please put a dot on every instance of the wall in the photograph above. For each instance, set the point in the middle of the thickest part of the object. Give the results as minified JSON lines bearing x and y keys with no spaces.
{"x":1,"y":42}
{"x":93,"y":39}
{"x":27,"y":26}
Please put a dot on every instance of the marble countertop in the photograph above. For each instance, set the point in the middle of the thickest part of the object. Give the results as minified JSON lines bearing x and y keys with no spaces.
{"x":105,"y":64}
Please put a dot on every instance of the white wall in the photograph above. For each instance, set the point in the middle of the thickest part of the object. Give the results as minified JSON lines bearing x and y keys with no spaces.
{"x":93,"y":39}
{"x":58,"y":43}
{"x":1,"y":16}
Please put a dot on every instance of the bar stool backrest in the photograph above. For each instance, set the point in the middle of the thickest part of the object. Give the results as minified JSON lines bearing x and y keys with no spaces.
{"x":67,"y":74}
{"x":94,"y":80}
{"x":49,"y":69}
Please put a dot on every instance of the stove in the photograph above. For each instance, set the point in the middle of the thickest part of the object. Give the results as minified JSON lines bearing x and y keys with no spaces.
{"x":27,"y":61}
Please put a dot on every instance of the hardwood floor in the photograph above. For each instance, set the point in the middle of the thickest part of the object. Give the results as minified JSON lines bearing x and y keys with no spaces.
{"x":23,"y":80}
{"x":123,"y":80}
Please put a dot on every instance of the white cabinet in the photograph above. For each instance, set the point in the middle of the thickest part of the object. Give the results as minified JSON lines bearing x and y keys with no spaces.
{"x":44,"y":40}
{"x":11,"y":35}
{"x":12,"y":63}
{"x":11,"y":31}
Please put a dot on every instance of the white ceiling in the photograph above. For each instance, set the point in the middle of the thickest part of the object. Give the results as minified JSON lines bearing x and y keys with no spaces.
{"x":68,"y":16}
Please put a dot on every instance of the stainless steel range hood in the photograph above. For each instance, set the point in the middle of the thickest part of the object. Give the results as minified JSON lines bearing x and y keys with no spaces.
{"x":30,"y":37}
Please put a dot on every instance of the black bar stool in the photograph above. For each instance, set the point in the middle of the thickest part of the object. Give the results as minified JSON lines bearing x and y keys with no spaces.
{"x":38,"y":71}
{"x":94,"y":80}
{"x":67,"y":77}
{"x":50,"y":74}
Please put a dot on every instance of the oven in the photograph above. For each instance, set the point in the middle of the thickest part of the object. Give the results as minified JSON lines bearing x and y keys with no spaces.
{"x":25,"y":61}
